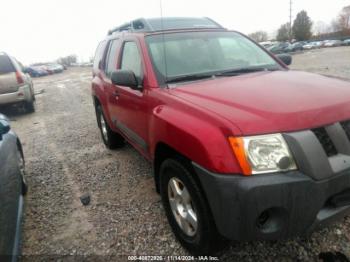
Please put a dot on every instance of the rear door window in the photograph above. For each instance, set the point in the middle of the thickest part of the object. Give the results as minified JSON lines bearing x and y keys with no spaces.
{"x":112,"y":58}
{"x":6,"y":65}
{"x":99,"y":54}
{"x":17,"y":65}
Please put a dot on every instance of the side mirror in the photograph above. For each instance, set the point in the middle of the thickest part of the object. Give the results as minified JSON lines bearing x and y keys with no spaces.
{"x":285,"y":58}
{"x":125,"y":78}
{"x":4,"y":127}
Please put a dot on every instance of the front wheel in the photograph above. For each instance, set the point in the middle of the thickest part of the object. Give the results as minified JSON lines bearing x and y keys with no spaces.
{"x":21,"y":167}
{"x":187,"y":210}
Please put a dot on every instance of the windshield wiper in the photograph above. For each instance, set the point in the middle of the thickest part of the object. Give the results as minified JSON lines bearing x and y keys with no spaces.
{"x":244,"y":70}
{"x":231,"y":72}
{"x":188,"y":78}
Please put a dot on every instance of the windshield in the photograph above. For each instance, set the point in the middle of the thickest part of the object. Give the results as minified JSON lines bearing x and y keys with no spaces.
{"x":193,"y":53}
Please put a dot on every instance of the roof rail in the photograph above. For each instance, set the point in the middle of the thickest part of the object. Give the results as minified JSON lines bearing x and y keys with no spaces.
{"x":140,"y":25}
{"x":168,"y":23}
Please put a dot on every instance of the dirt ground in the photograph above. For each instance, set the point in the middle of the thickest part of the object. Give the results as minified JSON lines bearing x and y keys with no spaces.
{"x":65,"y":158}
{"x":327,"y":61}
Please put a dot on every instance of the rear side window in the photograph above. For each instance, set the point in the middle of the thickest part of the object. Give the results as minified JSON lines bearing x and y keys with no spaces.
{"x":17,"y":65}
{"x":131,"y":58}
{"x":6,"y":65}
{"x":99,"y":54}
{"x":112,"y":58}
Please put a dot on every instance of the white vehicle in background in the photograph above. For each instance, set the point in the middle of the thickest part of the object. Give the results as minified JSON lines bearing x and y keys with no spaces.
{"x":267,"y":44}
{"x":318,"y":44}
{"x":333,"y":43}
{"x":312,"y":45}
{"x":308,"y":46}
{"x":346,"y":42}
{"x":16,"y":87}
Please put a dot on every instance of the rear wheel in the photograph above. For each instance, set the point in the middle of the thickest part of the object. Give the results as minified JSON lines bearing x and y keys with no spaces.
{"x":187,"y":210}
{"x":110,"y":139}
{"x":30,"y":106}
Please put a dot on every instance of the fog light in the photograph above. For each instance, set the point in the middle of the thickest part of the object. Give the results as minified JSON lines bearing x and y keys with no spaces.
{"x":284,"y":162}
{"x":272,"y":220}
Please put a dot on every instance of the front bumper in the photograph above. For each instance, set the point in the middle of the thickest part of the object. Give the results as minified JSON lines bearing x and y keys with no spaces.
{"x":23,"y":94}
{"x":272,"y":206}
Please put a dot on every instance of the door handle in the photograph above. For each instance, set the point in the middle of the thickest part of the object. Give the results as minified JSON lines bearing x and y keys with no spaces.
{"x":116,"y":93}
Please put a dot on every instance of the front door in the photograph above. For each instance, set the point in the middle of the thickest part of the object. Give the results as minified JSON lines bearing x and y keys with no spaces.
{"x":132,"y":104}
{"x":10,"y":190}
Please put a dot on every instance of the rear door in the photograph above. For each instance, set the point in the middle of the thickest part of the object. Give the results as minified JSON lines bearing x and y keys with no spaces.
{"x":110,"y":90}
{"x":8,"y":80}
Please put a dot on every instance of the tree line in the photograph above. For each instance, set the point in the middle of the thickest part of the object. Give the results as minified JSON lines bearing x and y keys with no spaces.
{"x":67,"y":60}
{"x":303,"y":27}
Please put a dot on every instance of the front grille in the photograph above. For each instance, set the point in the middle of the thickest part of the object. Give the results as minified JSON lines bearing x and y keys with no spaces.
{"x":346,"y":126}
{"x":325,"y":141}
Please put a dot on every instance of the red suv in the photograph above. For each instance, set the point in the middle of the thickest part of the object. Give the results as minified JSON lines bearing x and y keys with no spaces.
{"x":242,"y":147}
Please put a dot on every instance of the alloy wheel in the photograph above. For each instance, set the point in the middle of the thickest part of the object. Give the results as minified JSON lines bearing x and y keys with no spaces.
{"x":182,"y":206}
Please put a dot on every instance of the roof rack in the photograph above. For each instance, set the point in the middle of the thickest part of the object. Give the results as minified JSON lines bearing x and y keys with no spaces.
{"x":168,"y":23}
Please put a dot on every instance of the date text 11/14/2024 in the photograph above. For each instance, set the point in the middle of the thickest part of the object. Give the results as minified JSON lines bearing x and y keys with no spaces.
{"x":173,"y":258}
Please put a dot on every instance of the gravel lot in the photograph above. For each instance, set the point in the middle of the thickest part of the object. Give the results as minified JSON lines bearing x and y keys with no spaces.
{"x":327,"y":61}
{"x":66,"y":158}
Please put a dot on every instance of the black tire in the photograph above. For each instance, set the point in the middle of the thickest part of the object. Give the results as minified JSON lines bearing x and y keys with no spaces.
{"x":111,"y":139}
{"x":21,"y":166}
{"x":206,"y":240}
{"x":29,"y":106}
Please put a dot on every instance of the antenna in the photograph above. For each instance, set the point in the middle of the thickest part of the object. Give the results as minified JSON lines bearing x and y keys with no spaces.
{"x":290,"y":20}
{"x":163,"y":41}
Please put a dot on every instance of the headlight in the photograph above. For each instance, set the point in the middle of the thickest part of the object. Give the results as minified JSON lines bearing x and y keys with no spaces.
{"x":262,"y":154}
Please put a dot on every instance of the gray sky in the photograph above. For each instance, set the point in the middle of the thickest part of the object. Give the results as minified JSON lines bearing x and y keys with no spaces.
{"x":43,"y":30}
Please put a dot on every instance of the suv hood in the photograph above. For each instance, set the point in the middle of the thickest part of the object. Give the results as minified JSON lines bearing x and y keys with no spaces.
{"x":269,"y":102}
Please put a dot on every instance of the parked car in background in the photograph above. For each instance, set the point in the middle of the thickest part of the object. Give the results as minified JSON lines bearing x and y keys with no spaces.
{"x":46,"y":68}
{"x":55,"y":68}
{"x":267,"y":44}
{"x":16,"y":87}
{"x":36,"y":71}
{"x":50,"y":68}
{"x":318,"y":44}
{"x":332,"y":43}
{"x":279,"y":48}
{"x":308,"y":46}
{"x":312,"y":45}
{"x":12,"y":189}
{"x":269,"y":147}
{"x":297,"y":46}
{"x":346,"y":42}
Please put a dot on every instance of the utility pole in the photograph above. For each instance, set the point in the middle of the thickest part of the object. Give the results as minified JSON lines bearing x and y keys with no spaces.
{"x":290,"y":21}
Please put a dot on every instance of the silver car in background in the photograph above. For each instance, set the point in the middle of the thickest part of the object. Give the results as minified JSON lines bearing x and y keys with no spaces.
{"x":332,"y":43}
{"x":16,"y":87}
